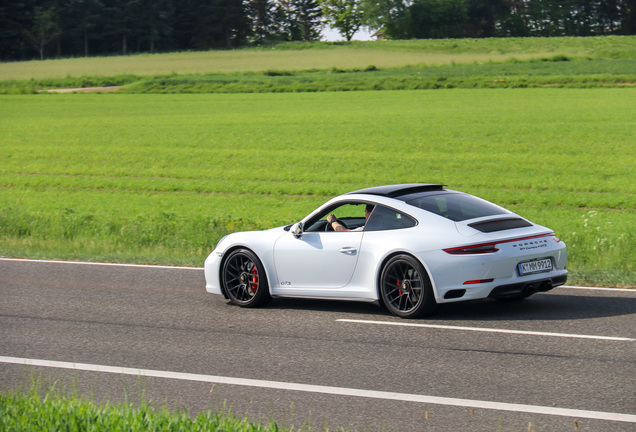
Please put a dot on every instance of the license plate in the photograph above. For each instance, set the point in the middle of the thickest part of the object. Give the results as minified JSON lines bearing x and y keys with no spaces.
{"x":538,"y":266}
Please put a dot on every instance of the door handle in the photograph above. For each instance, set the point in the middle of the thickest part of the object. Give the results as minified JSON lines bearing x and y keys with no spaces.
{"x":348,"y":251}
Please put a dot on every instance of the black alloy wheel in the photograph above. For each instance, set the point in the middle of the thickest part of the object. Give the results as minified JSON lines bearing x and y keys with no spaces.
{"x":244,"y":279}
{"x":405,"y":288}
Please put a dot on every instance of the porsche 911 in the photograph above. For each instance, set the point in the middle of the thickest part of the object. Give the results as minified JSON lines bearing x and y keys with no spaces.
{"x":407,"y":247}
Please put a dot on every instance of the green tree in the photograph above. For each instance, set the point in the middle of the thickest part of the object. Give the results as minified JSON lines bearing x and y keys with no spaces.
{"x":627,"y":14}
{"x":298,"y":20}
{"x":15,"y":16}
{"x":438,"y":19}
{"x":607,"y":16}
{"x":156,"y":22}
{"x":343,"y":15}
{"x":220,"y":24}
{"x":307,"y":16}
{"x":390,"y":16}
{"x":63,"y":21}
{"x":261,"y":15}
{"x":122,"y":21}
{"x":484,"y":16}
{"x":85,"y":19}
{"x":516,"y":22}
{"x":185,"y":20}
{"x":44,"y":28}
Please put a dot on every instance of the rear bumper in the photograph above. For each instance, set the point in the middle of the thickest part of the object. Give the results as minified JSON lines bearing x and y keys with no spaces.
{"x":524,"y":289}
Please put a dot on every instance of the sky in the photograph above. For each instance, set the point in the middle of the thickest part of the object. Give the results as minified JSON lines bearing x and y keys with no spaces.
{"x":332,"y":35}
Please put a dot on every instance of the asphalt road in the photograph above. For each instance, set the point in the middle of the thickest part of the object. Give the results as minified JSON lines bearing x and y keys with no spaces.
{"x":559,"y":361}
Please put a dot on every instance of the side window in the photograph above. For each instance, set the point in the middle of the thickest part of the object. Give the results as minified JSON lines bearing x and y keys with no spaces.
{"x":350,"y":214}
{"x":384,"y":218}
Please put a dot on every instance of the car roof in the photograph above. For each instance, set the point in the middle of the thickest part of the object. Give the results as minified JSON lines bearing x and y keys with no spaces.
{"x":393,"y":191}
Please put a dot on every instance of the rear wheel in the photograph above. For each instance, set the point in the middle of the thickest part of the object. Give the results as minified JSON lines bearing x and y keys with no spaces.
{"x":244,"y":279}
{"x":405,"y":288}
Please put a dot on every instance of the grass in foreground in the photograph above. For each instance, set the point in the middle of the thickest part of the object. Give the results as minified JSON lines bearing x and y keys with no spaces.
{"x":30,"y":412}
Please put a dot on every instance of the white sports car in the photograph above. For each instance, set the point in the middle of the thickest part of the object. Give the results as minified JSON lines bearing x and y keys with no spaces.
{"x":407,"y":246}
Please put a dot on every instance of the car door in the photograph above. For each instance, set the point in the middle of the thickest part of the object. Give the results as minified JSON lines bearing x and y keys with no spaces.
{"x":318,"y":260}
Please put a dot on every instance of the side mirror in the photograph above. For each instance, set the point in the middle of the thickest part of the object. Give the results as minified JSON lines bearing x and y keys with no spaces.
{"x":297,"y":229}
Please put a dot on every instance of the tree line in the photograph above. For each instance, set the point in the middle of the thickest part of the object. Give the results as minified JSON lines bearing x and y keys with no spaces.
{"x":65,"y":28}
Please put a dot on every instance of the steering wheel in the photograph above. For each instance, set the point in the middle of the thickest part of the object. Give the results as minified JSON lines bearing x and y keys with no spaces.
{"x":329,"y":228}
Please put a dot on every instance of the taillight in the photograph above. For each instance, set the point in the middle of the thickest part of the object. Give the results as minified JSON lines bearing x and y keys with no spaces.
{"x":483,"y":248}
{"x":478,"y":281}
{"x":473,"y":249}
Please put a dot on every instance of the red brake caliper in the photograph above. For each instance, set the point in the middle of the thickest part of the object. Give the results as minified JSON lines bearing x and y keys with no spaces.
{"x":254,"y":279}
{"x":399,"y":291}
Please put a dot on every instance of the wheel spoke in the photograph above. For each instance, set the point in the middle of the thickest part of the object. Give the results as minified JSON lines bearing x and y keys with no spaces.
{"x":402,"y":301}
{"x":231,"y":281}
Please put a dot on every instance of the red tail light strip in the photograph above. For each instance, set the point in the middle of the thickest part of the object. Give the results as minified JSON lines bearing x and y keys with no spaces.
{"x":482,"y":248}
{"x":472,"y":282}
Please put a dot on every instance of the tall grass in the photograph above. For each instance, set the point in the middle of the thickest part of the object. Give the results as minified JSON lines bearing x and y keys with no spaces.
{"x":54,"y":412}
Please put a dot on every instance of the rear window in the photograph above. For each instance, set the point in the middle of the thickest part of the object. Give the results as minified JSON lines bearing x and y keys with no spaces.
{"x":455,"y":206}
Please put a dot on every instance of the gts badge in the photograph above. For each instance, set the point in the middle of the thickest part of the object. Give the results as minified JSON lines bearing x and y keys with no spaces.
{"x":285,"y":283}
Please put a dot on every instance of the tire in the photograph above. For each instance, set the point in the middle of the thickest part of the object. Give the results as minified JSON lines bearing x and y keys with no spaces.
{"x":405,"y":288}
{"x":244,"y":279}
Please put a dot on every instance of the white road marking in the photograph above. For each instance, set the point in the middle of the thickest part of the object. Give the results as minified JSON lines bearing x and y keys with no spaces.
{"x":201,"y":268}
{"x":101,"y":264}
{"x":488,"y":330}
{"x":336,"y":391}
{"x":631,"y":290}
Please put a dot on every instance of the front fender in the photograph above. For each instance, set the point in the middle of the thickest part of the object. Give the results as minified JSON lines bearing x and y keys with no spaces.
{"x":261,"y":243}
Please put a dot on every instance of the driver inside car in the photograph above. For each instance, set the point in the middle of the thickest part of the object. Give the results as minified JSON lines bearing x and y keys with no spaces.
{"x":337,"y":226}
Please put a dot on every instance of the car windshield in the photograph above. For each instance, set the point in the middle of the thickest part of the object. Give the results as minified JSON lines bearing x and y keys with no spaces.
{"x":454,"y":205}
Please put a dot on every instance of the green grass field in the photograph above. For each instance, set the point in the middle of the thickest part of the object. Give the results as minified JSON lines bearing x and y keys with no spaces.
{"x":160,"y":178}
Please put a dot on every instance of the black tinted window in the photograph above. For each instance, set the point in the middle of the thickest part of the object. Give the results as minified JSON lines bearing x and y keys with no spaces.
{"x":384,"y":218}
{"x":456,"y":206}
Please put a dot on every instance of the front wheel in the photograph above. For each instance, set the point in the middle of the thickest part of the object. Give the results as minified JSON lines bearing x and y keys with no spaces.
{"x":405,"y":288}
{"x":244,"y":279}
